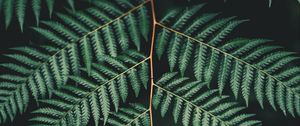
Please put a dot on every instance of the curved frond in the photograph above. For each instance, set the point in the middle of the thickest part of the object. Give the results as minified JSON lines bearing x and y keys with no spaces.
{"x":194,"y":105}
{"x":75,"y":41}
{"x":93,"y":95}
{"x":247,"y":66}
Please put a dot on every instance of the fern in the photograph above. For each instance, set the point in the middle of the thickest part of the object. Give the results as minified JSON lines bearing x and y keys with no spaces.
{"x":244,"y":64}
{"x":75,"y":42}
{"x":134,"y":115}
{"x":92,"y":96}
{"x":193,"y":105}
{"x":87,"y":69}
{"x":20,"y":9}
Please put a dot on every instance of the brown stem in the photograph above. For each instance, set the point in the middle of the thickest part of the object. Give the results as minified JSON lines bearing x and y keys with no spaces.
{"x":151,"y":58}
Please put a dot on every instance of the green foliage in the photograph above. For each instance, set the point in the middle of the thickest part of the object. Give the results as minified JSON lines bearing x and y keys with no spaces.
{"x":87,"y":68}
{"x":76,"y":40}
{"x":134,"y":115}
{"x":194,"y":105}
{"x":248,"y":66}
{"x":18,"y":7}
{"x":93,"y":96}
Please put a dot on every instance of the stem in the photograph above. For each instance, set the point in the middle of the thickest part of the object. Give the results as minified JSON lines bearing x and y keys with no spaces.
{"x":151,"y":58}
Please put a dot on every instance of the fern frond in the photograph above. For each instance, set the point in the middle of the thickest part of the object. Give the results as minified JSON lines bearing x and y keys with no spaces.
{"x":246,"y":65}
{"x":93,"y":94}
{"x":71,"y":4}
{"x":19,"y":8}
{"x":173,"y":51}
{"x":109,"y":38}
{"x":50,"y":6}
{"x":61,"y":29}
{"x":132,"y":23}
{"x":185,"y":16}
{"x":144,"y":22}
{"x":161,"y":40}
{"x":196,"y":106}
{"x":109,"y":7}
{"x":199,"y":22}
{"x":133,"y":115}
{"x":36,"y":7}
{"x":120,"y":33}
{"x":74,"y":43}
{"x":20,"y":12}
{"x":170,"y":15}
{"x":8,"y":10}
{"x":86,"y":53}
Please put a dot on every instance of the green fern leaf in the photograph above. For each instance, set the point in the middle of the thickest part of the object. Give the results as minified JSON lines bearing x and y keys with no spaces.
{"x":157,"y":98}
{"x":223,"y":33}
{"x":177,"y":110}
{"x":123,"y":37}
{"x":202,"y":106}
{"x":94,"y":103}
{"x":224,"y":73}
{"x":184,"y":17}
{"x":20,"y":12}
{"x":50,"y":6}
{"x":144,"y":74}
{"x":200,"y":62}
{"x":71,"y":4}
{"x":184,"y":59}
{"x":161,"y":40}
{"x":104,"y":102}
{"x":212,"y":66}
{"x":86,"y":53}
{"x":247,"y":82}
{"x":135,"y":81}
{"x":109,"y":38}
{"x":109,"y":7}
{"x":114,"y":93}
{"x":171,"y":14}
{"x":236,"y":79}
{"x":18,"y":7}
{"x":131,"y":22}
{"x":259,"y":88}
{"x":200,"y":21}
{"x":99,"y":39}
{"x":73,"y":41}
{"x":244,"y":64}
{"x":8,"y":11}
{"x":97,"y":96}
{"x":133,"y":115}
{"x":14,"y":67}
{"x":123,"y":88}
{"x":144,"y":22}
{"x":173,"y":51}
{"x":36,"y":7}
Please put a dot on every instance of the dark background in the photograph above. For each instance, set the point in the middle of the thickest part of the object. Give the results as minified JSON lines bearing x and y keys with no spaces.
{"x":280,"y":22}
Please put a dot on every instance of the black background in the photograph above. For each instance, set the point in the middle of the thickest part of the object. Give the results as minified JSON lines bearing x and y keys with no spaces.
{"x":280,"y":22}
